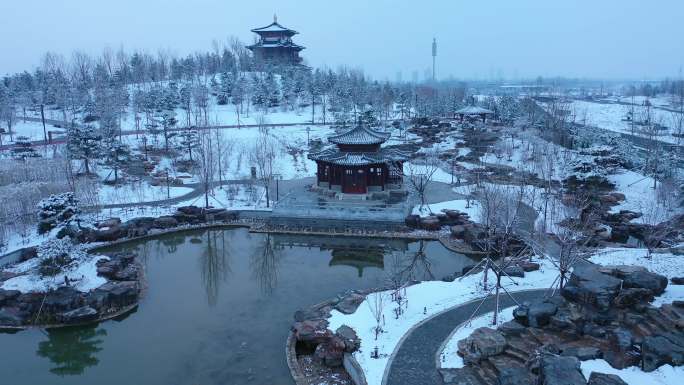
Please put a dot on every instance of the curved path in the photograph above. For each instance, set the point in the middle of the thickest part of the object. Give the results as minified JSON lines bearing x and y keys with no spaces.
{"x":62,"y":124}
{"x":285,"y":186}
{"x":414,"y":362}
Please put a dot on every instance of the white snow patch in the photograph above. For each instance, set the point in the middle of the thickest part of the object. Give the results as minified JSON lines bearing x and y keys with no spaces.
{"x":138,"y":193}
{"x":459,"y":205}
{"x":82,"y":276}
{"x":640,"y":196}
{"x":664,"y":375}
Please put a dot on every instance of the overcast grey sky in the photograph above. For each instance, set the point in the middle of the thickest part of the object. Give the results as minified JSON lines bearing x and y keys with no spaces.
{"x":599,"y":38}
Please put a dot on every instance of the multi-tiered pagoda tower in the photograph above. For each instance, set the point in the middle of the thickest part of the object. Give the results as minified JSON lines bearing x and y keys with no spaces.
{"x":275,"y":45}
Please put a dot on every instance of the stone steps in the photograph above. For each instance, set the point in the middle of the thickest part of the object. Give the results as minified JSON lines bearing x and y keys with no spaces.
{"x":543,"y":338}
{"x":487,"y":372}
{"x":643,"y":329}
{"x":523,"y":346}
{"x":528,"y":335}
{"x":671,"y":314}
{"x":657,"y":318}
{"x":471,"y":376}
{"x":517,"y":354}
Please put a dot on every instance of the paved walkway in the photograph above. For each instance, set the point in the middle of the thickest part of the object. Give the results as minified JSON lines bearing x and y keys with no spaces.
{"x":414,"y":361}
{"x":63,"y":125}
{"x":284,"y":187}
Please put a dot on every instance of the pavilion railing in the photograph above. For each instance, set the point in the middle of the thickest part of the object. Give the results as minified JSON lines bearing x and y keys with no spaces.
{"x":292,"y":206}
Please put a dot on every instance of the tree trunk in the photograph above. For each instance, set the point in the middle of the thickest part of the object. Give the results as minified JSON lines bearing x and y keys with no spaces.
{"x":324,"y":109}
{"x":496,"y":308}
{"x":42,"y":119}
{"x":206,"y":195}
{"x":267,"y":196}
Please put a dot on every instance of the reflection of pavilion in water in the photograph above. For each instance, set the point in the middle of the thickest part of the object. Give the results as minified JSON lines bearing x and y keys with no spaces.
{"x":360,"y":253}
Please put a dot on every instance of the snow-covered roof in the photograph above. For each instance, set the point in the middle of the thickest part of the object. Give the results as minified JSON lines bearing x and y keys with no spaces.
{"x":334,"y":156}
{"x":275,"y":27}
{"x":474,"y":110}
{"x":359,"y":135}
{"x":275,"y":44}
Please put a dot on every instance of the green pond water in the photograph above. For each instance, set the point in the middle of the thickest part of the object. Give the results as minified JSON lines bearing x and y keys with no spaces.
{"x":217,"y":309}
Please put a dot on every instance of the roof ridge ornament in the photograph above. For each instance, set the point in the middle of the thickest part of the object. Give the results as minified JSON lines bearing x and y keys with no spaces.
{"x":275,"y":18}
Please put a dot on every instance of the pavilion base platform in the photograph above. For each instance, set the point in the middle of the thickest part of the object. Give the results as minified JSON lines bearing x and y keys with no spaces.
{"x":391,"y":193}
{"x":321,"y":208}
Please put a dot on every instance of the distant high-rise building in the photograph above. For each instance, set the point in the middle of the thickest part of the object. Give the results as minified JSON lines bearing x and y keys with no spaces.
{"x":414,"y":76}
{"x":275,"y":44}
{"x":434,"y":56}
{"x":399,"y":77}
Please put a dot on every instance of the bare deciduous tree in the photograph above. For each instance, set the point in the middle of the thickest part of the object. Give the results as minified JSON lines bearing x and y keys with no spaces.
{"x":420,"y":175}
{"x":376,"y":304}
{"x":263,"y":157}
{"x":205,"y":167}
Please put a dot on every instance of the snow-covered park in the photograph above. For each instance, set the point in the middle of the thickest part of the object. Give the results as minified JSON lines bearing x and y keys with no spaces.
{"x":513,"y":185}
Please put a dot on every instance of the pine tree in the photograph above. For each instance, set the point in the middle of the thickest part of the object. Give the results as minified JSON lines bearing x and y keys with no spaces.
{"x":225,"y":89}
{"x":185,"y":102}
{"x":7,"y":107}
{"x":508,"y":108}
{"x":167,"y":120}
{"x":189,"y":141}
{"x":83,"y":143}
{"x":115,"y":155}
{"x":23,"y":149}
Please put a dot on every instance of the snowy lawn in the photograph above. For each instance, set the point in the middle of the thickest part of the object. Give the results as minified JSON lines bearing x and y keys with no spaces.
{"x":610,"y":117}
{"x":448,"y":357}
{"x":32,"y":130}
{"x":438,"y":175}
{"x":138,"y":193}
{"x":289,"y":143}
{"x":425,"y":300}
{"x":81,"y":271}
{"x":461,"y":205}
{"x":640,"y":196}
{"x":664,"y":375}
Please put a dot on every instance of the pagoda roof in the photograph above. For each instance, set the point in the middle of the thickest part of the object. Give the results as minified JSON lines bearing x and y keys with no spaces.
{"x":334,"y":156}
{"x":474,"y":110}
{"x":276,"y":44}
{"x":275,"y":27}
{"x":360,"y":135}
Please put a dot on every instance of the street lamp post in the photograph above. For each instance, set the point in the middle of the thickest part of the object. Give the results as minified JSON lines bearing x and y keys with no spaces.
{"x":277,"y":178}
{"x":308,"y":130}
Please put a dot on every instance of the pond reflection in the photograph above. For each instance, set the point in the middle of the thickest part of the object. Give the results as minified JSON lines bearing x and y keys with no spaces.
{"x":412,"y":266}
{"x":214,"y":263}
{"x":217,"y":308}
{"x":72,"y":350}
{"x":264,"y":264}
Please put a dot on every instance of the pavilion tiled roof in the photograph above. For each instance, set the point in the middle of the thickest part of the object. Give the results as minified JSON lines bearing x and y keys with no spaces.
{"x":360,"y":135}
{"x":334,"y":156}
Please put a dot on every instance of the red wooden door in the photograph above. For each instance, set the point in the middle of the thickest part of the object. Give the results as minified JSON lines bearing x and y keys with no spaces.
{"x":354,"y":181}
